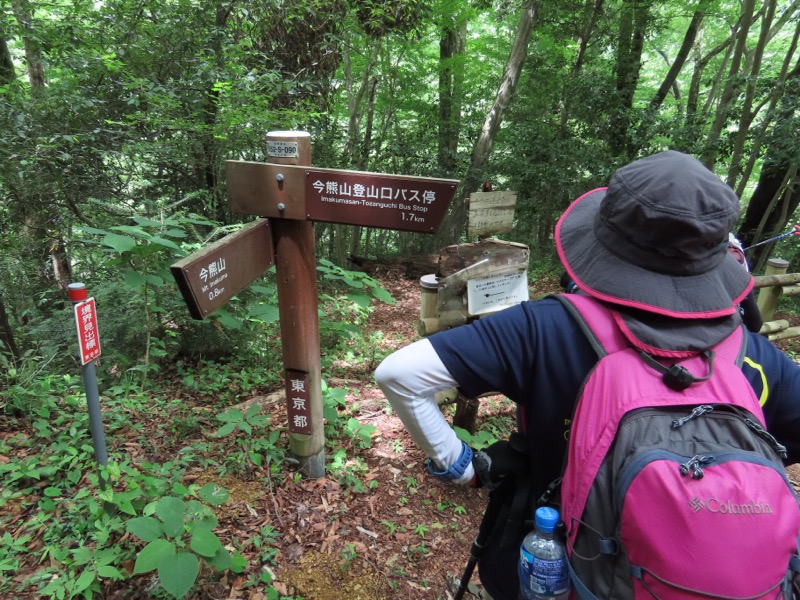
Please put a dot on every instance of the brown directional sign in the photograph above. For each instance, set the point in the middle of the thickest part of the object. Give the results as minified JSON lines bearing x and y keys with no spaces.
{"x":267,"y":190}
{"x":211,"y":276}
{"x":400,"y":202}
{"x":374,"y":200}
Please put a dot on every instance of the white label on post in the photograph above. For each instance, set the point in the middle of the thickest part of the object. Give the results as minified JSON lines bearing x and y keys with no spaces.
{"x":281,"y":149}
{"x":491,"y":294}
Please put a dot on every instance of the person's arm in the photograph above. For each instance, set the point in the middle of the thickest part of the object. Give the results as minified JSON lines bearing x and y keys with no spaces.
{"x":410,"y":379}
{"x":776,"y":381}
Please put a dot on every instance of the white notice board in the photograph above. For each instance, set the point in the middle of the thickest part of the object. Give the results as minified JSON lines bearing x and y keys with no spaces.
{"x":490,"y":294}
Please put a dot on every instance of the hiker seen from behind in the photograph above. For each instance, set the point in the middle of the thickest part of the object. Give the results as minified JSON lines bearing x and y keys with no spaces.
{"x":673,"y":419}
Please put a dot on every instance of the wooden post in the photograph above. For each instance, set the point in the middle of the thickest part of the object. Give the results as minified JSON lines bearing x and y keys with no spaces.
{"x":428,"y":323}
{"x":296,"y":271}
{"x":768,"y":296}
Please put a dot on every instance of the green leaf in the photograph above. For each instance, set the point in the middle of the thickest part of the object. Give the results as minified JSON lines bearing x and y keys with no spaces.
{"x":384,"y":296}
{"x":232,"y":415}
{"x":134,"y":231}
{"x":360,"y":298}
{"x":213,"y":494}
{"x":205,"y":542}
{"x":221,"y":560}
{"x":154,"y":280}
{"x":120,"y":243}
{"x":166,"y":243}
{"x":122,"y":500}
{"x":134,"y":279}
{"x":84,"y":581}
{"x":146,"y":529}
{"x":110,"y":572}
{"x":228,"y":320}
{"x":225,"y":429}
{"x":266,"y":313}
{"x":153,"y":555}
{"x":178,"y":573}
{"x":171,"y":512}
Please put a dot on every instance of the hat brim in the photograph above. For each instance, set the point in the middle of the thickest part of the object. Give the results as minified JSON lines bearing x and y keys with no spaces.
{"x":606,"y":277}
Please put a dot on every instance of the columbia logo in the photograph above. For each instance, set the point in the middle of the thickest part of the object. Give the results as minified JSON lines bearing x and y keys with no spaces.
{"x":696,"y":504}
{"x":726,"y":507}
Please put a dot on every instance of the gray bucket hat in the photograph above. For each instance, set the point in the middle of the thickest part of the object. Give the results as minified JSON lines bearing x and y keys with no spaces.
{"x":656,"y":240}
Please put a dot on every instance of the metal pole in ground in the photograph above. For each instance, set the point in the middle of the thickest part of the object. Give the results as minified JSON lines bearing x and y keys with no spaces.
{"x":86,"y":322}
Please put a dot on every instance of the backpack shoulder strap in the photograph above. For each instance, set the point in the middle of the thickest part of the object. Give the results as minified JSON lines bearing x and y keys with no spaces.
{"x":595,"y":321}
{"x":607,"y":333}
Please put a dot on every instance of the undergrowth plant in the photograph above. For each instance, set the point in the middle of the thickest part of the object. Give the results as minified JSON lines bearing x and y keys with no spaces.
{"x":257,"y":445}
{"x":179,"y":536}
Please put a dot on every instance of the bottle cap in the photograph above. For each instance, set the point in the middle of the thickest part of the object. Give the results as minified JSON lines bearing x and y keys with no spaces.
{"x":546,"y":519}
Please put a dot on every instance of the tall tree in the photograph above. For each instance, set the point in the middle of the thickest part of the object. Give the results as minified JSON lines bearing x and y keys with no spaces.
{"x":732,"y":86}
{"x":451,"y":94}
{"x":454,"y":226}
{"x":634,"y":20}
{"x":683,"y":54}
{"x":777,"y":193}
{"x":747,"y":111}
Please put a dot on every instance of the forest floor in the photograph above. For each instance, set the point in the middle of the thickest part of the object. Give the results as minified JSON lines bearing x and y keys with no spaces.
{"x":402,"y":534}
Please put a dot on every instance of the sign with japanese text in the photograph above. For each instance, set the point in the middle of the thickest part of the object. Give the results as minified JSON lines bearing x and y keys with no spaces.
{"x":490,"y":294}
{"x":375,"y":200}
{"x":88,"y":335}
{"x":298,"y":402}
{"x":490,"y":212}
{"x":211,"y":276}
{"x":400,"y":202}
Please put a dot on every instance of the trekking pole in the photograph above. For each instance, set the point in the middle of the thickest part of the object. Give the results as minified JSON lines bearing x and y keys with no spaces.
{"x":795,"y":230}
{"x":497,"y":498}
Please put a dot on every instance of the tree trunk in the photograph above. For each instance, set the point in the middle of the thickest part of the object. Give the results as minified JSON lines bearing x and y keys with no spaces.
{"x":6,"y":333}
{"x":7,"y":73}
{"x":451,"y":81}
{"x":731,"y":90}
{"x":633,"y":27}
{"x":747,"y":112}
{"x":777,"y":92}
{"x":33,"y":53}
{"x":686,"y":47}
{"x":453,"y":228}
{"x":591,"y":15}
{"x":774,"y":200}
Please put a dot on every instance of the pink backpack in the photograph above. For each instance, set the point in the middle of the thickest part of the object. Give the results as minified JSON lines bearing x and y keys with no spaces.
{"x":673,"y":488}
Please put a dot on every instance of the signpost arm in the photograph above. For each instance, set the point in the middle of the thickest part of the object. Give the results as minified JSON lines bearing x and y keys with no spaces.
{"x":296,"y":271}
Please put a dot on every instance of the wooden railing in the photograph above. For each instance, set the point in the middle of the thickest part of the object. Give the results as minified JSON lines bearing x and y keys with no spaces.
{"x":776,"y":282}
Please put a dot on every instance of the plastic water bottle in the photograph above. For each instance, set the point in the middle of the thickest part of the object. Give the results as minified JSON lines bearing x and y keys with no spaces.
{"x":543,"y":572}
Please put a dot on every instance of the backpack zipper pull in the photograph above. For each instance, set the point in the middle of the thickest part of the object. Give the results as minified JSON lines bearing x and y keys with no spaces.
{"x":694,"y":465}
{"x":767,"y":436}
{"x":697,"y":411}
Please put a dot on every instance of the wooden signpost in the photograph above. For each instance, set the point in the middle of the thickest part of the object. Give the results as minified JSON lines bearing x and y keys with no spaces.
{"x":490,"y":212}
{"x":292,"y":195}
{"x":211,"y":276}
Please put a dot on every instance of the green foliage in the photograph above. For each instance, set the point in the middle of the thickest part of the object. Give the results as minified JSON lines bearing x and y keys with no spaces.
{"x":480,"y":440}
{"x":179,"y":535}
{"x":348,"y":471}
{"x":345,"y":298}
{"x":255,"y":443}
